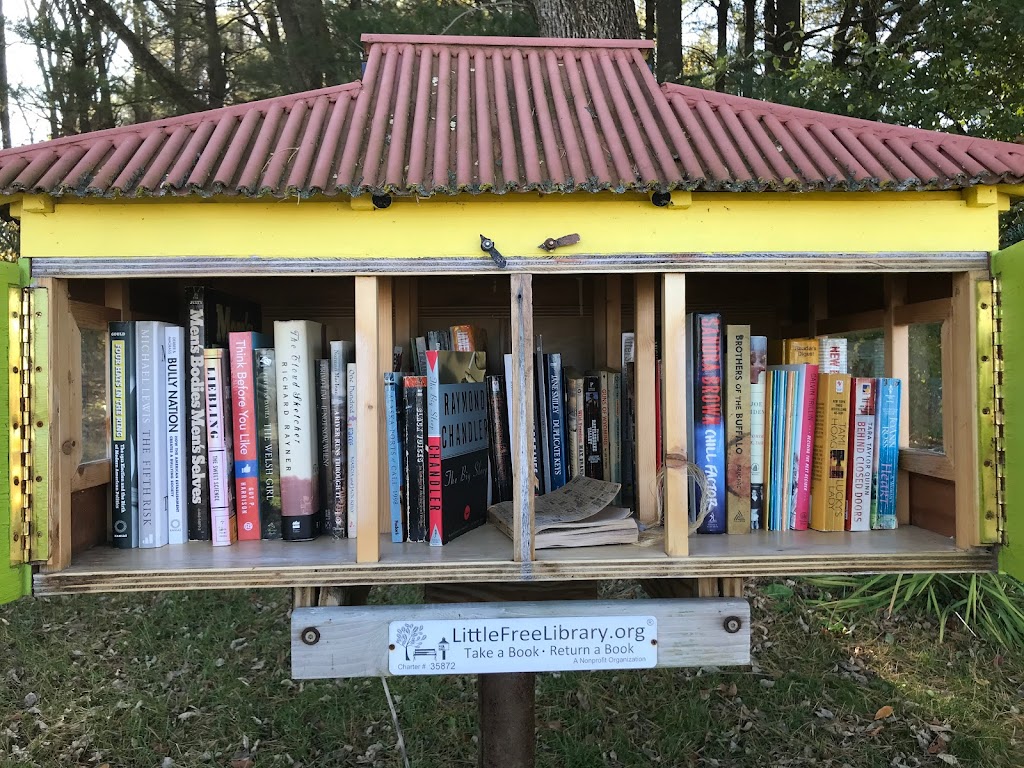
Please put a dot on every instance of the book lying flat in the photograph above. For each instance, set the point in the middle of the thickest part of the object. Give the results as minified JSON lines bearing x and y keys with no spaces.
{"x":579,"y":514}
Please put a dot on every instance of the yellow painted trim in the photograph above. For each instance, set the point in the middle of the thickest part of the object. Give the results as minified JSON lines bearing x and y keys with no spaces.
{"x":1004,"y":202}
{"x":1013,"y":190}
{"x":979,"y":197}
{"x":738,"y":223}
{"x":37,"y":204}
{"x":361,"y":203}
{"x":681,"y":200}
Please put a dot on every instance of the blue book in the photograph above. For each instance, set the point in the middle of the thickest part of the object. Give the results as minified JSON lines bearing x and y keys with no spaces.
{"x":394,"y":455}
{"x":709,"y":426}
{"x":556,"y":420}
{"x":886,"y":454}
{"x":779,"y":386}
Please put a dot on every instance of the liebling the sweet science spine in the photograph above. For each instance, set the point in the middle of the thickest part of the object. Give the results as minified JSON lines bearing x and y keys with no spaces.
{"x":887,"y":451}
{"x":177,"y":501}
{"x":758,"y":370}
{"x":123,"y":463}
{"x":219,"y":448}
{"x":325,"y":459}
{"x":862,"y":454}
{"x":394,"y":456}
{"x":414,"y":398}
{"x":556,"y":422}
{"x":246,"y":449}
{"x":709,"y":445}
{"x":738,"y":458}
{"x":297,"y":343}
{"x":152,"y":441}
{"x":212,"y":315}
{"x":267,"y":443}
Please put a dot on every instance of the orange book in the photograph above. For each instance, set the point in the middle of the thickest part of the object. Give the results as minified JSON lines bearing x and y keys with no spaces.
{"x":831,"y":446}
{"x":797,"y":351}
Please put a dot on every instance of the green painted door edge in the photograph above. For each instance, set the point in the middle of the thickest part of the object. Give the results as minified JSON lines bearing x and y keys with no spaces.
{"x":1008,"y":266}
{"x":15,"y":580}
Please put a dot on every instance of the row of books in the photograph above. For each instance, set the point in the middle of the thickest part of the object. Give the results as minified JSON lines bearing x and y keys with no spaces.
{"x":786,"y":438}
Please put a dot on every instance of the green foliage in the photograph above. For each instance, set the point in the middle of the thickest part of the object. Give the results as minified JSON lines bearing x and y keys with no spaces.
{"x":989,"y":606}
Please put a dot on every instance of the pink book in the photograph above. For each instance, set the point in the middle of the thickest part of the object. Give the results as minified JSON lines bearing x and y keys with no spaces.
{"x":243,"y":395}
{"x":861,"y":455}
{"x":801,"y":513}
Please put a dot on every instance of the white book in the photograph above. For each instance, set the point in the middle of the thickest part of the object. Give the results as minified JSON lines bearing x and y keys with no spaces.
{"x":832,"y":355}
{"x":219,"y":447}
{"x":861,"y":455}
{"x":297,"y":345}
{"x":176,"y":425}
{"x":353,"y":509}
{"x":151,"y":388}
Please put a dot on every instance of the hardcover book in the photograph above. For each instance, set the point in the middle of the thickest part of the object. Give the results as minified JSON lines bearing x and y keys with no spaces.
{"x":212,"y":315}
{"x":325,"y":456}
{"x":709,"y":418}
{"x":414,"y":397}
{"x":456,"y":444}
{"x":500,"y":440}
{"x":394,"y":456}
{"x":861,"y":456}
{"x":352,"y":510}
{"x":542,"y":425}
{"x":758,"y":371}
{"x":575,"y":423}
{"x":887,"y":454}
{"x":832,"y":355}
{"x":123,"y":415}
{"x":738,"y":458}
{"x":219,"y":449}
{"x":151,"y":396}
{"x":174,"y":381}
{"x":267,"y":444}
{"x":556,"y":420}
{"x":342,"y":353}
{"x":831,"y":444}
{"x":297,"y":344}
{"x":604,"y":389}
{"x":593,"y":463}
{"x":628,"y":411}
{"x":800,"y":351}
{"x":615,"y":429}
{"x":241,"y":346}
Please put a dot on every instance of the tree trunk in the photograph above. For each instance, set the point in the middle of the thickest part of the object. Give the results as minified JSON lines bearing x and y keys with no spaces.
{"x":770,"y":49}
{"x":104,"y":106}
{"x":670,"y":40}
{"x":5,"y":101}
{"x":722,"y":55}
{"x":593,"y":19}
{"x":650,"y":17}
{"x":305,"y":31}
{"x":214,"y":55}
{"x":789,"y":32}
{"x":749,"y":38}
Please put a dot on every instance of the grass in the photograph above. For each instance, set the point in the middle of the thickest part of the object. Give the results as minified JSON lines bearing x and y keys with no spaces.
{"x":202,"y":679}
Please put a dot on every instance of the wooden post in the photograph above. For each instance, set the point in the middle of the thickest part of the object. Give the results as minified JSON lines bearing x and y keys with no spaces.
{"x":507,"y":720}
{"x":368,"y":396}
{"x":613,"y":321}
{"x":673,"y":325}
{"x":960,"y":399}
{"x":645,"y":432}
{"x":385,"y":350}
{"x":600,"y":326}
{"x":521,"y":391}
{"x":897,"y":365}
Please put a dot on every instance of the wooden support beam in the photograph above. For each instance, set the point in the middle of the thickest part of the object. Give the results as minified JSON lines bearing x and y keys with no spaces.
{"x":645,"y":432}
{"x":896,"y":338}
{"x":600,"y":322}
{"x":613,"y":321}
{"x":817,"y":310}
{"x":368,"y":399}
{"x":675,"y":411}
{"x":521,"y":390}
{"x":960,"y":398}
{"x":385,"y":352}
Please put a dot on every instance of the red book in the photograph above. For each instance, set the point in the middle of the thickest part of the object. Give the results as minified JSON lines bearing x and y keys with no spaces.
{"x":801,"y":514}
{"x":246,"y":456}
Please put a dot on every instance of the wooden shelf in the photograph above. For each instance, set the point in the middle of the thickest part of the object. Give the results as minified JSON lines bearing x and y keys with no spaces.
{"x":486,"y":555}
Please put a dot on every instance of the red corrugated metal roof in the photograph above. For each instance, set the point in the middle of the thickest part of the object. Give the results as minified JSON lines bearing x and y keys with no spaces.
{"x":442,"y":115}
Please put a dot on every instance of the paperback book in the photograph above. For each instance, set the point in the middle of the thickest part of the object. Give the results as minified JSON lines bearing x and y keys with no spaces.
{"x":123,"y":459}
{"x":219,"y":449}
{"x":242,"y":346}
{"x":738,"y":458}
{"x":267,"y":444}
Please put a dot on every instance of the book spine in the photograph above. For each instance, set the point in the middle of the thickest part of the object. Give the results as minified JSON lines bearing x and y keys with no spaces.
{"x":803,"y":478}
{"x":421,"y":356}
{"x":832,"y":355}
{"x":218,"y":446}
{"x":325,"y":454}
{"x":887,"y":450}
{"x":556,"y":424}
{"x":581,"y":428}
{"x":463,"y":338}
{"x":738,"y":458}
{"x":861,"y":453}
{"x":177,"y":501}
{"x":267,"y":443}
{"x":793,"y":417}
{"x":758,"y":366}
{"x":831,"y":443}
{"x":615,"y":430}
{"x":710,"y":442}
{"x":413,"y":391}
{"x":394,"y":456}
{"x":628,"y":416}
{"x":198,"y":469}
{"x":297,"y":344}
{"x":604,"y":384}
{"x":152,"y":440}
{"x":123,"y":416}
{"x":571,"y":441}
{"x":247,"y":490}
{"x":501,"y":445}
{"x":542,"y":423}
{"x":435,"y":522}
{"x":341,"y":355}
{"x":592,"y":427}
{"x":350,"y":437}
{"x":800,"y":351}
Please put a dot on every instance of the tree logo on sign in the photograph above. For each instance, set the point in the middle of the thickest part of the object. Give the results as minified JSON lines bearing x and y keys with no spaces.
{"x":410,"y":636}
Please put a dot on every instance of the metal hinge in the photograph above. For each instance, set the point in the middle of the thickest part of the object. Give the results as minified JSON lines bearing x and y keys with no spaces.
{"x":997,"y":408}
{"x":21,"y":476}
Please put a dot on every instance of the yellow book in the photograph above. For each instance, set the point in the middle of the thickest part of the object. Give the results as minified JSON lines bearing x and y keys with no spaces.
{"x":797,"y":351}
{"x":831,"y":445}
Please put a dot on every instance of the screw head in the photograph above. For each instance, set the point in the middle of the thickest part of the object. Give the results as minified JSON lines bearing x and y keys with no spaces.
{"x":732,"y":624}
{"x":310,"y":635}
